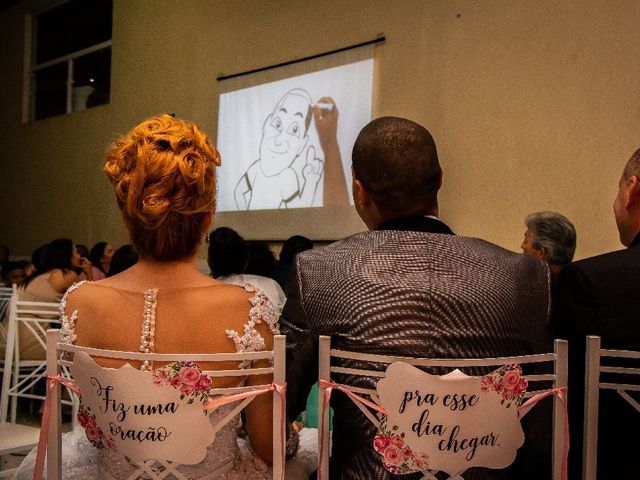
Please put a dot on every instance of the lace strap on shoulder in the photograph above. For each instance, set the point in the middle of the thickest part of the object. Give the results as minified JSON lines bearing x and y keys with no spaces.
{"x":68,"y":324}
{"x":261,"y":311}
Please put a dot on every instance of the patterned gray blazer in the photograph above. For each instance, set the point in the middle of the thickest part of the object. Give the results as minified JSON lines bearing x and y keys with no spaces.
{"x":406,"y":293}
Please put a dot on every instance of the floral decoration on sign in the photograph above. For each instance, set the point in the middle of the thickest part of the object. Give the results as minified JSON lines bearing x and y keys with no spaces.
{"x":396,"y":455}
{"x":186,"y":377}
{"x":508,"y":382}
{"x":94,"y":433}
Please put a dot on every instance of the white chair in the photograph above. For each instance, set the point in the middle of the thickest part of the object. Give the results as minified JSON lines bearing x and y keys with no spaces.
{"x":55,"y":363}
{"x":593,"y":384}
{"x":19,"y":376}
{"x":28,"y":320}
{"x":557,"y":379}
{"x":5,"y":299}
{"x":14,"y":438}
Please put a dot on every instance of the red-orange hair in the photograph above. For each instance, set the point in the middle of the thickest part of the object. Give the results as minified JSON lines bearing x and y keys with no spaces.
{"x":163,"y":172}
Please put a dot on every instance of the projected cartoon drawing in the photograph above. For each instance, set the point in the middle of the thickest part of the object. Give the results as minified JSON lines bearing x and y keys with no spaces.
{"x":272,"y":181}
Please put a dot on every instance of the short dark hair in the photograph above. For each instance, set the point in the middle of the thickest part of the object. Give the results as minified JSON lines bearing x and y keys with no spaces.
{"x":96,"y":253}
{"x":57,"y":254}
{"x":9,"y":267}
{"x":292,"y":246}
{"x":261,"y":260}
{"x":633,"y":165}
{"x":227,"y":253}
{"x":37,"y":256}
{"x":397,"y":162}
{"x":123,"y":258}
{"x":555,"y":233}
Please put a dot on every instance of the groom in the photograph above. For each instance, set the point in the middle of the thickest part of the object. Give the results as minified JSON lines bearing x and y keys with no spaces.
{"x":408,"y":287}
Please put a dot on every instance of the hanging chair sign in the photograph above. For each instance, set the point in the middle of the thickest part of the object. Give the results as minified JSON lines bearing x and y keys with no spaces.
{"x":449,"y":423}
{"x":145,"y":415}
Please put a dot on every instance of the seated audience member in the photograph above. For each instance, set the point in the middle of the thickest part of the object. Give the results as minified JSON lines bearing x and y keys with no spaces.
{"x":228,"y":257}
{"x":188,"y":312}
{"x":292,"y":246}
{"x":551,"y":237}
{"x":598,"y":296}
{"x":408,"y":287}
{"x":100,"y":256}
{"x":13,"y":273}
{"x":123,"y":258}
{"x":48,"y":284}
{"x":95,"y":272}
{"x":261,"y":260}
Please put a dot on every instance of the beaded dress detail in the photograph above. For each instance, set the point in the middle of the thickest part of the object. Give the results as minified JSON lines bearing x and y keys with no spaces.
{"x":227,"y":458}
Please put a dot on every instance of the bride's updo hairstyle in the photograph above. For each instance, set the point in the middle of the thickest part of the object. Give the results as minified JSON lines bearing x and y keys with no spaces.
{"x":163,"y":172}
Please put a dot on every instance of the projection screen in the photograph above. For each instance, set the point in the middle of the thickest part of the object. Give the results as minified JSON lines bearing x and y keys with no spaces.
{"x":285,"y":137}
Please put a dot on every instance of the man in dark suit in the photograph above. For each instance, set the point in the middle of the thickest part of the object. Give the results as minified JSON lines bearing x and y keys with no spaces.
{"x":407,"y":287}
{"x":599,"y":296}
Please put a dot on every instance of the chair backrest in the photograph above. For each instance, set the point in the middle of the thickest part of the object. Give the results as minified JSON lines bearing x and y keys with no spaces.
{"x":594,"y":359}
{"x":328,"y":357}
{"x":27,"y":325}
{"x":5,"y":299}
{"x":56,"y":353}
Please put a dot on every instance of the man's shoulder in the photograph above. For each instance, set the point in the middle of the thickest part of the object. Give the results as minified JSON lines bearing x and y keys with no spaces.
{"x":420,"y":245}
{"x":608,"y":263}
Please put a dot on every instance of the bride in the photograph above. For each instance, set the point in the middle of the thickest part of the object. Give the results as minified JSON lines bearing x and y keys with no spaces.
{"x":163,"y":172}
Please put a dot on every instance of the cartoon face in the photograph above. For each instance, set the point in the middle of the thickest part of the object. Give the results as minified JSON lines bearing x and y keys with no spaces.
{"x":283,"y":135}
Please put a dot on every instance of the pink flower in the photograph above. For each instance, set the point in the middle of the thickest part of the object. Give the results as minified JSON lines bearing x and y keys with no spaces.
{"x":397,"y":441}
{"x":506,"y":394}
{"x":93,"y":433}
{"x":486,"y":383}
{"x":160,"y":377}
{"x":393,"y":455}
{"x":204,"y":383}
{"x":110,"y":443}
{"x":188,"y":376}
{"x":421,"y":461}
{"x":380,"y":443}
{"x":511,"y":379}
{"x":187,"y":389}
{"x":83,"y":418}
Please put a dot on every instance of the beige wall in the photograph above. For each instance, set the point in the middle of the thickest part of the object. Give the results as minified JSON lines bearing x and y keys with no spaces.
{"x":533,"y":104}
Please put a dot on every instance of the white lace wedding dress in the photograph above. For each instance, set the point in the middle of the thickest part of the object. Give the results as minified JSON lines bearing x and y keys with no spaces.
{"x":227,"y":458}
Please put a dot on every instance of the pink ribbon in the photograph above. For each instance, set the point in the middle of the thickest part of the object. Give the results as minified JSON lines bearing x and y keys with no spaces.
{"x":44,"y":427}
{"x":280,"y":389}
{"x":328,"y":386}
{"x":562,"y":395}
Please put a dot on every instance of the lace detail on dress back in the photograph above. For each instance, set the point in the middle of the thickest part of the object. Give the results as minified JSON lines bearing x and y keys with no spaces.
{"x":227,"y":457}
{"x":68,"y":324}
{"x":261,"y":311}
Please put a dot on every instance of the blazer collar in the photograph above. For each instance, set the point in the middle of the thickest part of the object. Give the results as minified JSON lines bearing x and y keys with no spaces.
{"x":417,"y":223}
